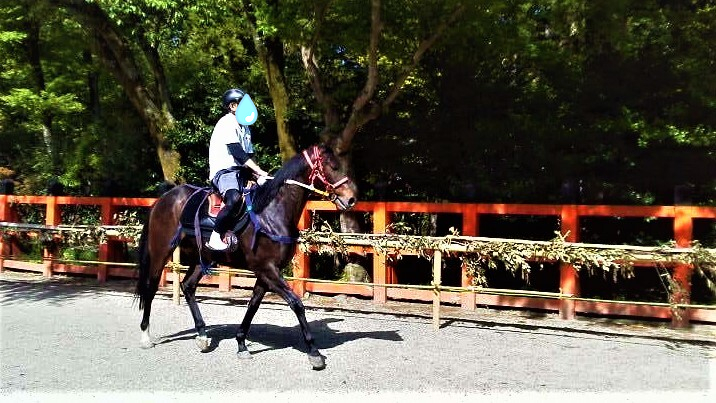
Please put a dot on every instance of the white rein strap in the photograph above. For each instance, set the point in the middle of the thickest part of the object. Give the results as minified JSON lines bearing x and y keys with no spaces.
{"x":311,"y":188}
{"x":315,"y":174}
{"x":303,"y":185}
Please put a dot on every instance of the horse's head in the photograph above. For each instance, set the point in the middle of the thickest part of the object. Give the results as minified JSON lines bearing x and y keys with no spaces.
{"x":324,"y":165}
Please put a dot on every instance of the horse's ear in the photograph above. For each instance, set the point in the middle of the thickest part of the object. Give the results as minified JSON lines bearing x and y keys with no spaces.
{"x":331,"y":146}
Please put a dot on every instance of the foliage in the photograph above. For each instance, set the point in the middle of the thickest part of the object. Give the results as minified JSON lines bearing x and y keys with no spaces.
{"x":546,"y":98}
{"x":481,"y":254}
{"x":520,"y":101}
{"x":82,"y":239}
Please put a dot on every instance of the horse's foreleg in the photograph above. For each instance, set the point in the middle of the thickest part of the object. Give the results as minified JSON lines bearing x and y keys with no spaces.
{"x":188,"y":287}
{"x":317,"y":360}
{"x":253,"y":306}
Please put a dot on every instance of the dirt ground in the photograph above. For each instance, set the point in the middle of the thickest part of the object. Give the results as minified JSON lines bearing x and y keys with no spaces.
{"x":70,"y":339}
{"x":448,"y":313}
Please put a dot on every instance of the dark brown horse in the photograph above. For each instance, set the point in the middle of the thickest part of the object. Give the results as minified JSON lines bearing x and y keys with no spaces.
{"x":266,"y":243}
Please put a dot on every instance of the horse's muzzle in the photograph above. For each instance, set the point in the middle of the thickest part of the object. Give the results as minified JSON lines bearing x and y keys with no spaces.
{"x":343,"y":204}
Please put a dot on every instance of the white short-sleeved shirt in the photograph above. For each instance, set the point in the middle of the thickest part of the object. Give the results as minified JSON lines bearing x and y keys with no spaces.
{"x":227,"y":131}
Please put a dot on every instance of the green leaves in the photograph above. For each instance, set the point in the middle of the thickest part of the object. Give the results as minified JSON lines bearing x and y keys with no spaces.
{"x":27,"y":102}
{"x":511,"y":100}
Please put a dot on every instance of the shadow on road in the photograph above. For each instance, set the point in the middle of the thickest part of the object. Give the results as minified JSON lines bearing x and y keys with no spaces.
{"x":59,"y":290}
{"x":279,"y":337}
{"x":55,"y":290}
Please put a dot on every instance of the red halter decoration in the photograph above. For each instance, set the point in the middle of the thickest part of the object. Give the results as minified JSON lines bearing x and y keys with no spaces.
{"x":315,"y":161}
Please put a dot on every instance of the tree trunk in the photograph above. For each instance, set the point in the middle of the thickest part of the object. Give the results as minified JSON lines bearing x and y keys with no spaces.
{"x":272,"y":58}
{"x":115,"y":52}
{"x":32,"y":47}
{"x":93,"y":102}
{"x":270,"y":51}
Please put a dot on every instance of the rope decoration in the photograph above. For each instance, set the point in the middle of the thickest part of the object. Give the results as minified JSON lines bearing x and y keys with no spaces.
{"x":479,"y":254}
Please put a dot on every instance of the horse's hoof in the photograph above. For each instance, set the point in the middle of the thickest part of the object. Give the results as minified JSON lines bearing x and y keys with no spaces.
{"x":244,"y":355}
{"x":145,"y":341}
{"x":318,"y":362}
{"x":146,"y":344}
{"x":203,"y":343}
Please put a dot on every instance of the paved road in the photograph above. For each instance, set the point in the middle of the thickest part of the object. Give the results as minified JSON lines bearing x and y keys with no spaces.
{"x":64,"y":340}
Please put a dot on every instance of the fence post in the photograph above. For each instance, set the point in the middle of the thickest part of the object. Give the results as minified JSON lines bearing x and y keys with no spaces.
{"x":681,"y":294}
{"x":568,"y":278}
{"x":225,"y":281}
{"x":107,"y":218}
{"x":437,"y":279}
{"x":4,"y":216}
{"x":4,"y":208}
{"x":470,"y":224}
{"x":380,"y":275}
{"x":176,"y":272}
{"x":390,"y":276}
{"x":53,"y":217}
{"x":302,"y":264}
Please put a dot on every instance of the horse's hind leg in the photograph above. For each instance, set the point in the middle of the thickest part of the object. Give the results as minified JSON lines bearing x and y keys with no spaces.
{"x":148,"y":294}
{"x":155,"y":251}
{"x":146,"y":338}
{"x":188,"y":287}
{"x":152,"y":260}
{"x":253,"y":306}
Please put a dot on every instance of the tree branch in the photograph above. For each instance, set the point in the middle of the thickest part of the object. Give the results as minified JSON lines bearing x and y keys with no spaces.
{"x":314,"y":75}
{"x":424,"y":46}
{"x":363,"y":109}
{"x":310,"y":63}
{"x":331,"y":115}
{"x":155,"y":65}
{"x":376,"y":27}
{"x":116,"y":53}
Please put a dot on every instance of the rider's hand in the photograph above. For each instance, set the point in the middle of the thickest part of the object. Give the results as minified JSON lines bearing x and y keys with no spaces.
{"x":262,"y":179}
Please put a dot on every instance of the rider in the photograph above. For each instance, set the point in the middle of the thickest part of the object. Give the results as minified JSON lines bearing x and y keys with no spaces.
{"x":230,"y":164}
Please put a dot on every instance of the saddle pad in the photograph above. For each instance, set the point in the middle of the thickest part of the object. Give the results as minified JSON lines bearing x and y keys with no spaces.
{"x":200,"y":202}
{"x":194,"y":204}
{"x":215,"y":204}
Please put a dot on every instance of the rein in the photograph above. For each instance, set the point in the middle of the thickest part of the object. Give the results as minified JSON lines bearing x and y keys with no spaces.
{"x":316,"y":164}
{"x":309,"y":187}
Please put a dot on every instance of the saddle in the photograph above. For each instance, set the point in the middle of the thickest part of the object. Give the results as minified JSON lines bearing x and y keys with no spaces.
{"x":202,"y":207}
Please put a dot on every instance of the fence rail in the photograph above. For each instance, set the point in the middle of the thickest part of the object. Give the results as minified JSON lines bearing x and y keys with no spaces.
{"x":567,"y":302}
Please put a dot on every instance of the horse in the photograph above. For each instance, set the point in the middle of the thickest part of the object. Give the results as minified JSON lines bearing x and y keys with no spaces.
{"x":265,"y":244}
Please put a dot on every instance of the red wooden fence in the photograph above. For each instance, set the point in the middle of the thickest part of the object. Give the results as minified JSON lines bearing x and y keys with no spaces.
{"x":383,"y":272}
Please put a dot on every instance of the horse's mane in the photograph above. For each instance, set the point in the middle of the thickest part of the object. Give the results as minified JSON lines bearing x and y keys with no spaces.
{"x":263,"y":195}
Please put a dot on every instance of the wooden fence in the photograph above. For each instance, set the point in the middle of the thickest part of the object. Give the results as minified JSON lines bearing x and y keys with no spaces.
{"x":567,"y":302}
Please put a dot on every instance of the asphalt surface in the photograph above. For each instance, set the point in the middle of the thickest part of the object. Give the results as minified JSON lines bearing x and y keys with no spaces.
{"x":68,"y":339}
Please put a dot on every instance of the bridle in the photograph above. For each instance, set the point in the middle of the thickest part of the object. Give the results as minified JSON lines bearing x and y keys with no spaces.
{"x":315,"y":161}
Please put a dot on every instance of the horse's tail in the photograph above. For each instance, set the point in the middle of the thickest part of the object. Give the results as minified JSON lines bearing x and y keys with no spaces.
{"x":143,"y":291}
